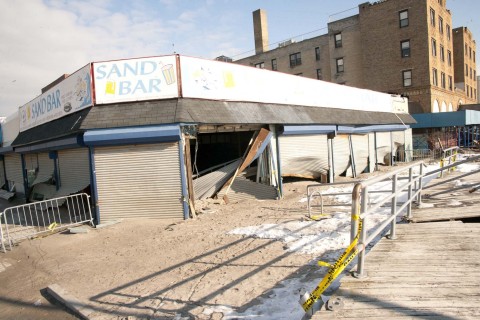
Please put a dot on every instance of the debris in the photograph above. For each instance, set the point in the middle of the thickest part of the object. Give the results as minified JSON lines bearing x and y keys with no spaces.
{"x":76,"y":230}
{"x":37,"y":303}
{"x":107,"y":224}
{"x":69,"y":301}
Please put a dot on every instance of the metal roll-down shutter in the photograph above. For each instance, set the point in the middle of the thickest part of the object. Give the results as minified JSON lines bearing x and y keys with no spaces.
{"x":13,"y":167}
{"x":139,"y":181}
{"x":74,"y":171}
{"x":304,"y":155}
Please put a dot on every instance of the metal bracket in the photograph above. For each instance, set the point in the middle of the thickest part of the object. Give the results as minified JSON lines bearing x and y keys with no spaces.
{"x":334,"y":304}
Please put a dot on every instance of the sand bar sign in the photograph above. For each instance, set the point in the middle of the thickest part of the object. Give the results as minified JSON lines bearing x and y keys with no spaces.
{"x":71,"y":95}
{"x":135,"y":79}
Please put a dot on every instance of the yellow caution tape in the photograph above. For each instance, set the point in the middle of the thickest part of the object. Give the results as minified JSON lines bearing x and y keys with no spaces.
{"x":348,"y":255}
{"x":52,"y":226}
{"x":319,"y":216}
{"x":325,"y":264}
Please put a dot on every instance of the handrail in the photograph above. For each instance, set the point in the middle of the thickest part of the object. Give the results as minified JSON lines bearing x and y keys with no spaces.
{"x":452,"y":165}
{"x":360,"y":212}
{"x":310,"y":195}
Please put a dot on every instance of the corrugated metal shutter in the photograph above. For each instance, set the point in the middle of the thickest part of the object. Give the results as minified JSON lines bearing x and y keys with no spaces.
{"x":341,"y":154}
{"x":31,"y":161}
{"x":360,"y":152}
{"x":383,"y":147}
{"x":2,"y":174}
{"x":408,"y":145}
{"x":13,"y":166}
{"x":45,"y":168}
{"x":139,"y":181}
{"x":207,"y":185}
{"x":304,"y":155}
{"x":398,"y":139}
{"x":245,"y":189}
{"x":74,"y":171}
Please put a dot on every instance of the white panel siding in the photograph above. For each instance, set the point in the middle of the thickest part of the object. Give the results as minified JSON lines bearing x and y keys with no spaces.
{"x":139,"y":181}
{"x":13,"y":166}
{"x":341,"y":154}
{"x":360,"y":152}
{"x":304,"y":155}
{"x":74,"y":171}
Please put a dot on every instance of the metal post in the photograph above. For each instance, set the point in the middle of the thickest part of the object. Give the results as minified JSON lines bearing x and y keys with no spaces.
{"x":360,"y":273}
{"x":409,"y":207}
{"x":393,"y":227}
{"x":420,"y":185}
{"x":355,"y":211}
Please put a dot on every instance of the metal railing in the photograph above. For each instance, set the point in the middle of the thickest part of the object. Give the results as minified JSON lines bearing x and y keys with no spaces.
{"x":361,"y":209}
{"x":42,"y":217}
{"x":315,"y":191}
{"x":449,"y":156}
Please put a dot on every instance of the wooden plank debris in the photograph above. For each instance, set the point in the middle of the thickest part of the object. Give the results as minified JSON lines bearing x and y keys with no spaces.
{"x":79,"y":308}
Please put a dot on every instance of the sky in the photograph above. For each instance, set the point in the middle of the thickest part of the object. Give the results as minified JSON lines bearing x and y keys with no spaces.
{"x":44,"y":39}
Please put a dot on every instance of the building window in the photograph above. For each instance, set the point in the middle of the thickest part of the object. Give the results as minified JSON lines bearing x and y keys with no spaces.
{"x":295,"y":59}
{"x":338,"y":40}
{"x":471,"y":73}
{"x":403,"y":15}
{"x":407,"y":78}
{"x":466,"y":49}
{"x":474,"y":56}
{"x":466,"y":70}
{"x":440,"y":24}
{"x":432,"y":17}
{"x":434,"y":77}
{"x":434,"y":47}
{"x":274,"y":65}
{"x":442,"y":53}
{"x":340,"y":67}
{"x":319,"y":74}
{"x":448,"y":31}
{"x":475,"y":91}
{"x":317,"y":53}
{"x":450,"y":83}
{"x":470,"y":50}
{"x":474,"y":75}
{"x":405,"y":48}
{"x":449,"y":57}
{"x":442,"y":80}
{"x":260,"y":65}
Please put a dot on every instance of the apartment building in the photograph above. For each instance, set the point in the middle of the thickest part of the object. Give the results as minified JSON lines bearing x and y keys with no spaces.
{"x":405,"y":47}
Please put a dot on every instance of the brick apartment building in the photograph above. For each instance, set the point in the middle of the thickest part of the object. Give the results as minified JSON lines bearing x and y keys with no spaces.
{"x":405,"y":47}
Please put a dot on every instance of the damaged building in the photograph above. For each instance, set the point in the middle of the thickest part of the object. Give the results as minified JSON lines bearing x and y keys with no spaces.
{"x":147,"y":137}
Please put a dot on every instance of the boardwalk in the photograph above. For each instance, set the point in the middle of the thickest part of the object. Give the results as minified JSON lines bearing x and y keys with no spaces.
{"x":431,"y":271}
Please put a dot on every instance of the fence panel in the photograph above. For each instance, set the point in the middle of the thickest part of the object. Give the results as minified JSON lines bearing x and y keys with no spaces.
{"x":33,"y":219}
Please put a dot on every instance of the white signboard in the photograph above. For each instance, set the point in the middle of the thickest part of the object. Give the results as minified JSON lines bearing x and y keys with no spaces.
{"x":135,"y":79}
{"x":71,"y":95}
{"x":206,"y":79}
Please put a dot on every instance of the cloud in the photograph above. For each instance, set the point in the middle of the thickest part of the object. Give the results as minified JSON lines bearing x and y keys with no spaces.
{"x":42,"y":40}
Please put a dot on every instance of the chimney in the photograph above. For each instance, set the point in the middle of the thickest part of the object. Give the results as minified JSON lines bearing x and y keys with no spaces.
{"x":260,"y":30}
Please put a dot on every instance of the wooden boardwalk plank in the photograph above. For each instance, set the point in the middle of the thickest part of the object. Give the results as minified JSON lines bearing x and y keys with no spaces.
{"x":431,"y":271}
